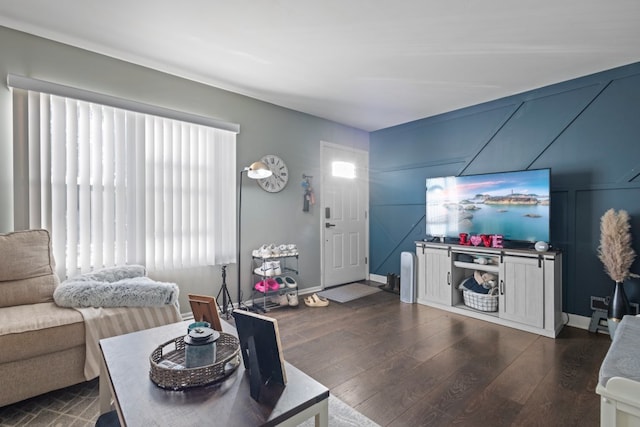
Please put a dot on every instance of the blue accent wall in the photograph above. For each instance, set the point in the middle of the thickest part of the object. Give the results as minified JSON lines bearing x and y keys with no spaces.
{"x":586,"y":130}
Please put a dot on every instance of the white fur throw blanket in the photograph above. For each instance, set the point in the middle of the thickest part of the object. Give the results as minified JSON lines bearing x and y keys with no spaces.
{"x":125,"y":286}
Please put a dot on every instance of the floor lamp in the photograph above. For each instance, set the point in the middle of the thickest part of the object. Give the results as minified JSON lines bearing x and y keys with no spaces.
{"x":257,"y":170}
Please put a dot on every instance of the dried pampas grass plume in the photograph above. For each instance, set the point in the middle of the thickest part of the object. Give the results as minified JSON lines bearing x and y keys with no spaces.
{"x":615,"y":249}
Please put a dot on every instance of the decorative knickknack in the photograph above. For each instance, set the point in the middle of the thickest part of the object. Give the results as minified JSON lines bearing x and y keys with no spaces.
{"x":617,"y":255}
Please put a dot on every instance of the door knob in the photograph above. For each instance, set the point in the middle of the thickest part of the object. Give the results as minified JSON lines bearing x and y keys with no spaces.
{"x":329,"y":225}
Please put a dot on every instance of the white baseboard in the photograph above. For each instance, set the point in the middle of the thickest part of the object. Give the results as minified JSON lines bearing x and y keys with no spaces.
{"x":309,"y":290}
{"x":378,"y":278}
{"x":577,"y":321}
{"x":581,"y":322}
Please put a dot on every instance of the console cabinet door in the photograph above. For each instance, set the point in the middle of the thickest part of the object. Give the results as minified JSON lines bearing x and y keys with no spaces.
{"x":522,"y":290}
{"x":437,"y":276}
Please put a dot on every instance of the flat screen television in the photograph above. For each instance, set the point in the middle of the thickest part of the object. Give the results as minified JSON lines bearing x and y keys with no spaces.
{"x":513,"y":204}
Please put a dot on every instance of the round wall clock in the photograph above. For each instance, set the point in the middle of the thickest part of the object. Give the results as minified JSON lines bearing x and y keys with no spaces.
{"x":280,"y":177}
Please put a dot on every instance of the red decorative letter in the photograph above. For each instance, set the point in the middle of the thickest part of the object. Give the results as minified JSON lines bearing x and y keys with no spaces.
{"x":463,"y":239}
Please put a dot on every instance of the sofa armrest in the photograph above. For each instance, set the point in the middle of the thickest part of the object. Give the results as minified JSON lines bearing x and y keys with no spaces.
{"x":620,"y":402}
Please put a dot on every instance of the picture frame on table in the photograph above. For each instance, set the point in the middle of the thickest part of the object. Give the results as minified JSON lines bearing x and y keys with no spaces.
{"x":261,"y":349}
{"x":205,"y":309}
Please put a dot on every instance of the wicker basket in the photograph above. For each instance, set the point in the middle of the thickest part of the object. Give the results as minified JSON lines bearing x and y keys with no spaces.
{"x":482,"y":302}
{"x":168,"y":371}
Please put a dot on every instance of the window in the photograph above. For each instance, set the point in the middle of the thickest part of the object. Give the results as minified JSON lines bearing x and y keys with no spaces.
{"x":116,"y":186}
{"x":343,"y":170}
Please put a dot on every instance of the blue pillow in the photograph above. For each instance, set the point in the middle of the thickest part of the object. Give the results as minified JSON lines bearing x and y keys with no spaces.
{"x":472,"y":285}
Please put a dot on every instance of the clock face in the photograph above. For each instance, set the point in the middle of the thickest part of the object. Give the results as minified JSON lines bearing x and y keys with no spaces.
{"x":278,"y":180}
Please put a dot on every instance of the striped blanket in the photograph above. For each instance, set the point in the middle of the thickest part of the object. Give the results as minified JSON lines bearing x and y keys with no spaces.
{"x":103,"y":322}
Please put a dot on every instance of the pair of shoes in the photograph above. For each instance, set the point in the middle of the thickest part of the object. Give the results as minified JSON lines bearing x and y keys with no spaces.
{"x":267,"y":285}
{"x":266,"y":251}
{"x":292,"y":298}
{"x":289,"y":249}
{"x":287,"y":281}
{"x":290,"y":282}
{"x":269,"y":269}
{"x":316,"y":301}
{"x":271,"y":250}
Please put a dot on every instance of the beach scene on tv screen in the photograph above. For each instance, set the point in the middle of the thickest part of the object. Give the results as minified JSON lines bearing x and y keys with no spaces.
{"x":513,"y":204}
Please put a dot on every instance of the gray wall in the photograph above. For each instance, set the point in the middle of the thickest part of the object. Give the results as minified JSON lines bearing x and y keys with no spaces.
{"x":586,"y":130}
{"x":265,"y":129}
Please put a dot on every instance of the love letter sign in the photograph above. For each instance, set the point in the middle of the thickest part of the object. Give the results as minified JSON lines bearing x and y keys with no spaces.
{"x":488,"y":240}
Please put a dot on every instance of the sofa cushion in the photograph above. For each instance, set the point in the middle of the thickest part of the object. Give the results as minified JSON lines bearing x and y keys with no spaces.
{"x":27,"y":268}
{"x":31,"y":330}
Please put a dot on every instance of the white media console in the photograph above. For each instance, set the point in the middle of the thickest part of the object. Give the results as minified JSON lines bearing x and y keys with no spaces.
{"x":529,"y":284}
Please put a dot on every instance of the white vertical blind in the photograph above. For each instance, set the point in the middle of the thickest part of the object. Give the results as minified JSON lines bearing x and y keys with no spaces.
{"x":57,"y":191}
{"x":116,"y":186}
{"x":84,"y":190}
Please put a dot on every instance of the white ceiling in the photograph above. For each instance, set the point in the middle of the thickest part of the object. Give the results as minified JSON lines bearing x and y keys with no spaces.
{"x":370,"y":64}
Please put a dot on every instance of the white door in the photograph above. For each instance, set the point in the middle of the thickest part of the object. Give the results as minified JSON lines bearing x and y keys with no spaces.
{"x":344,"y":204}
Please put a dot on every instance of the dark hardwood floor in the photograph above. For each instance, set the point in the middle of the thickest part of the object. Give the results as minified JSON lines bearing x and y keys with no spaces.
{"x":411,"y":365}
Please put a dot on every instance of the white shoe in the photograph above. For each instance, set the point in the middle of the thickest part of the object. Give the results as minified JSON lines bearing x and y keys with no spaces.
{"x":275,"y":266}
{"x":275,"y":250}
{"x":271,"y":248}
{"x":293,"y":299}
{"x":265,"y":270}
{"x":265,"y":252}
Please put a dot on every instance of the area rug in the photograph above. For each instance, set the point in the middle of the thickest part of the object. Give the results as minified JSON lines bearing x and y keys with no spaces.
{"x":78,"y":406}
{"x":342,"y":415}
{"x":349,"y":292}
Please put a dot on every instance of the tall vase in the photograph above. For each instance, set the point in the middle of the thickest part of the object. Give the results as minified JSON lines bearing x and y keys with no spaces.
{"x":618,"y":308}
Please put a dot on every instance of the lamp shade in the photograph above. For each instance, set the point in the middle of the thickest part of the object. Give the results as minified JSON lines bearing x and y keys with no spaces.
{"x":258,"y":170}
